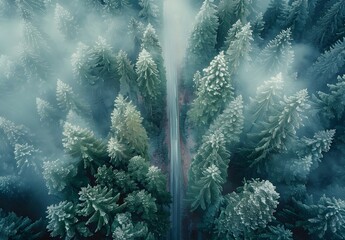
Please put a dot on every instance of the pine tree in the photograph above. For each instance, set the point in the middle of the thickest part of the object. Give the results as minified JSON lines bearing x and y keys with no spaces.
{"x":278,"y":55}
{"x":46,"y":111}
{"x":208,"y":171}
{"x":231,"y":35}
{"x":213,"y":93}
{"x":327,"y":28}
{"x":324,"y":219}
{"x":141,"y":203}
{"x":61,"y":176}
{"x":148,"y":78}
{"x":126,"y":126}
{"x":64,"y":222}
{"x":66,"y":22}
{"x":280,"y":128}
{"x":30,"y":8}
{"x":239,"y":49}
{"x":116,"y":6}
{"x":156,"y":184}
{"x":99,"y":205}
{"x":125,"y":69}
{"x":231,"y":11}
{"x":17,"y":227}
{"x":26,"y":157}
{"x":118,"y":180}
{"x":152,"y":45}
{"x":149,"y":11}
{"x":332,"y":104}
{"x":296,"y":18}
{"x":329,"y":64}
{"x":124,"y":228}
{"x":202,"y":41}
{"x":207,"y":189}
{"x":275,"y":15}
{"x":94,"y":65}
{"x":302,"y":158}
{"x":266,"y":100}
{"x":81,"y":143}
{"x":276,"y":233}
{"x":247,"y":211}
{"x":67,"y":100}
{"x":230,"y":122}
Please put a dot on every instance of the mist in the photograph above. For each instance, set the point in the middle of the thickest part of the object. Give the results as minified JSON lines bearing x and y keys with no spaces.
{"x":180,"y":119}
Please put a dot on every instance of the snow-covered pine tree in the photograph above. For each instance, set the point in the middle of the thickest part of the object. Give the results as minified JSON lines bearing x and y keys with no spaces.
{"x":275,"y":135}
{"x":231,"y":35}
{"x":278,"y":55}
{"x":231,"y":11}
{"x":81,"y":143}
{"x":274,"y":16}
{"x":151,"y":44}
{"x":96,"y":64}
{"x":230,"y":122}
{"x":328,"y":28}
{"x":203,"y":38}
{"x":330,"y":64}
{"x":66,"y":23}
{"x":324,"y":219}
{"x":247,"y":211}
{"x":127,"y":128}
{"x":296,"y":18}
{"x":67,"y":100}
{"x":209,"y":166}
{"x":149,"y":11}
{"x":239,"y":49}
{"x":148,"y":77}
{"x":265,"y":101}
{"x":332,"y":104}
{"x":214,"y":92}
{"x":63,"y":221}
{"x":128,"y":78}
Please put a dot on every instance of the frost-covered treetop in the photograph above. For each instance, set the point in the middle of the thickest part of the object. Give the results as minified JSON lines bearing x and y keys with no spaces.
{"x":216,"y":77}
{"x":206,"y":11}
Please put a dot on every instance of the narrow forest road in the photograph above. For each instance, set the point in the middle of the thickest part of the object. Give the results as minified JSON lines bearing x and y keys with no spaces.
{"x":174,"y":43}
{"x":173,"y":118}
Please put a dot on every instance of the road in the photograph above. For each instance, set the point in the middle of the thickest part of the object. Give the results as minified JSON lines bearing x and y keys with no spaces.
{"x":170,"y":51}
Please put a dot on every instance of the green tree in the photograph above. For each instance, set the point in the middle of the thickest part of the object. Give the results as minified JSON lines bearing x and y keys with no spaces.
{"x":208,"y":171}
{"x":148,"y":76}
{"x":125,"y":69}
{"x":274,"y":16}
{"x":239,"y":49}
{"x":66,"y":22}
{"x":231,"y":11}
{"x":266,"y":100}
{"x":213,"y":93}
{"x":324,"y":219}
{"x":231,"y":35}
{"x":64,"y":222}
{"x":149,"y":11}
{"x":247,"y":211}
{"x":327,"y":28}
{"x":141,"y":203}
{"x":99,"y":205}
{"x":17,"y":227}
{"x":332,"y":104}
{"x":276,"y":233}
{"x":278,"y":55}
{"x":329,"y":64}
{"x":127,"y":128}
{"x":203,"y":38}
{"x":207,"y":189}
{"x":124,"y":228}
{"x":296,"y":18}
{"x":230,"y":122}
{"x":82,"y":144}
{"x":280,"y":129}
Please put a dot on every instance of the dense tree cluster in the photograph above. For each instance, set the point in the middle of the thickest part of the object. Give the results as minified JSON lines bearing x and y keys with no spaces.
{"x":83,"y":120}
